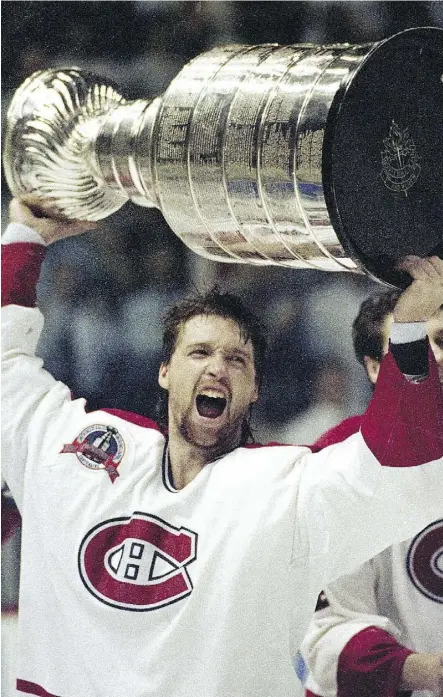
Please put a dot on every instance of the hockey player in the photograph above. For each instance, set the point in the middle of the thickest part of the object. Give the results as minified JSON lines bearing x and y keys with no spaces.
{"x":189,"y":564}
{"x":378,"y":631}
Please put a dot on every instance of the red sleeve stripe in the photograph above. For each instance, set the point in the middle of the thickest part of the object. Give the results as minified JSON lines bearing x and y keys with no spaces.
{"x":337,"y":434}
{"x":21,"y":262}
{"x":403,"y":424}
{"x":371,"y":664}
{"x":31,"y":688}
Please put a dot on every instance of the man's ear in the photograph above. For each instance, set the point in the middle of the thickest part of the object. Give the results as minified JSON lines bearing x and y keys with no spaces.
{"x":163,"y":376}
{"x":372,"y":366}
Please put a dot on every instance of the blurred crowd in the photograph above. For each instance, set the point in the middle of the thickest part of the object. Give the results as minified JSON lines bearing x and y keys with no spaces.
{"x":103,"y":294}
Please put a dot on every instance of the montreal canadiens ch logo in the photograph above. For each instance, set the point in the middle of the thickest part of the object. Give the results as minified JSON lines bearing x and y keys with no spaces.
{"x":99,"y":448}
{"x":424,"y":562}
{"x":137,"y":563}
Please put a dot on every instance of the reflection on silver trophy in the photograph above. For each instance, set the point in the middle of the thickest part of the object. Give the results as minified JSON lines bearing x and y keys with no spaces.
{"x":258,"y":154}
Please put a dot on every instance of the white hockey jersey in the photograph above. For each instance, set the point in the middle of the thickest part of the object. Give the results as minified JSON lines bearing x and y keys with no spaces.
{"x":347,"y":649}
{"x":131,"y":588}
{"x":400,"y":591}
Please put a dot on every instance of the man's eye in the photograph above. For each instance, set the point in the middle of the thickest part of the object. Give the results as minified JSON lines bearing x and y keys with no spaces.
{"x":238,"y":360}
{"x":199,"y":352}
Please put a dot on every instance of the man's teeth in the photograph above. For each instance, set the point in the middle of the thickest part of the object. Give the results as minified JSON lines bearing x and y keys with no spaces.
{"x":210,"y":404}
{"x":215,"y":394}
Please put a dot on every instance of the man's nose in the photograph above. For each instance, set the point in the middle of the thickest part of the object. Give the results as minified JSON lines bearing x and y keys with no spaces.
{"x":216,"y":365}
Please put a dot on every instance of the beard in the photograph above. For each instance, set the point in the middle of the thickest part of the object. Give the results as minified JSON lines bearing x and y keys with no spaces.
{"x":214,"y":443}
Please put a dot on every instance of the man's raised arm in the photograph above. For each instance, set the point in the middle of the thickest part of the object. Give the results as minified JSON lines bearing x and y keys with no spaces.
{"x":31,"y":397}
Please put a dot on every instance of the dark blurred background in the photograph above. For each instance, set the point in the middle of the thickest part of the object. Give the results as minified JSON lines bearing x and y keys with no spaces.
{"x":103,"y":294}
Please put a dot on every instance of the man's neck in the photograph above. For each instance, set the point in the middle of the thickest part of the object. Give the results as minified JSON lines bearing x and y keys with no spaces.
{"x":186,"y":460}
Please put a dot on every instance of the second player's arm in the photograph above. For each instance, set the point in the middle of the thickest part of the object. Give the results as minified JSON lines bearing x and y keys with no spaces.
{"x":351,"y":648}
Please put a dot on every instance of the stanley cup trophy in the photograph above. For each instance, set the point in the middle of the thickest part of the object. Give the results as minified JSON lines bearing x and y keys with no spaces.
{"x":324,"y":157}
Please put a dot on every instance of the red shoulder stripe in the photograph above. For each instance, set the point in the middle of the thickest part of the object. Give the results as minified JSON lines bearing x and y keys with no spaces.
{"x":134,"y":418}
{"x":338,"y":433}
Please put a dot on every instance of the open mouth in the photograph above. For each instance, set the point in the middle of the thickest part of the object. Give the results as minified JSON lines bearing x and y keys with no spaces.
{"x":210,"y":407}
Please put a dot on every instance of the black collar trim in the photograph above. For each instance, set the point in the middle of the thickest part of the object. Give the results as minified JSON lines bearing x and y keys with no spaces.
{"x":168,"y":481}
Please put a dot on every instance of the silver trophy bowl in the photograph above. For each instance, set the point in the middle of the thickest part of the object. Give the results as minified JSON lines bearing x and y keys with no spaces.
{"x":324,"y":157}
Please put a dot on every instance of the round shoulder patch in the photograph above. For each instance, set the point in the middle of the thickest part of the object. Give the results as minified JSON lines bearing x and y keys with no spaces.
{"x":98,"y":447}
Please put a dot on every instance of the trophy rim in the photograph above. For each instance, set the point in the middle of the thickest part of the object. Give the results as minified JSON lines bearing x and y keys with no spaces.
{"x":390,"y":277}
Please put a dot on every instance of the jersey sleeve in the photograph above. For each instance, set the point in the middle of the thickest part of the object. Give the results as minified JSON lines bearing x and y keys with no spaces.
{"x":349,"y":647}
{"x":33,"y":402}
{"x":403,"y":424}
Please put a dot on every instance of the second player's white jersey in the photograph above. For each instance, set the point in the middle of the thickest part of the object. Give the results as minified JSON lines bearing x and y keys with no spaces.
{"x":399,"y":591}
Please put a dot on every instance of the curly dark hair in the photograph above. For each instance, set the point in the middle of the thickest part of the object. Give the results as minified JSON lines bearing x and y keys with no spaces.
{"x":367,"y":329}
{"x":220,"y":304}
